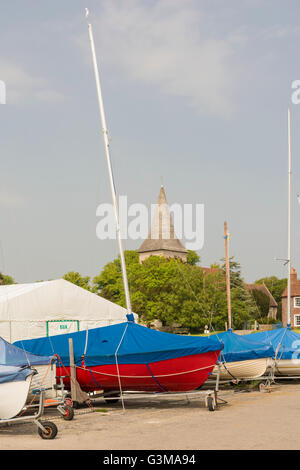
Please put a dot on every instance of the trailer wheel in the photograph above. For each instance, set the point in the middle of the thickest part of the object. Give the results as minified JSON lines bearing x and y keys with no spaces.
{"x":50,"y":430}
{"x":69,"y":413}
{"x":211,"y":403}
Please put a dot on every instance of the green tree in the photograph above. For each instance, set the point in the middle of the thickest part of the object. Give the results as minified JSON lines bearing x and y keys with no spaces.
{"x":76,"y":278}
{"x":276,"y":286}
{"x":166,"y":289}
{"x":5,"y":279}
{"x":192,"y":258}
{"x":243,"y":308}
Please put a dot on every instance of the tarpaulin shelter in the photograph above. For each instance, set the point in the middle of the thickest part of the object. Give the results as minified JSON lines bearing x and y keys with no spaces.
{"x":52,"y":307}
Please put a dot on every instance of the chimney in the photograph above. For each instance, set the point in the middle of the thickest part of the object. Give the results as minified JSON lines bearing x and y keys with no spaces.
{"x":293,"y":276}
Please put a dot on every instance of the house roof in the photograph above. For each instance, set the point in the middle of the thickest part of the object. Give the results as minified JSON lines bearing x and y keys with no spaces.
{"x":162,"y":234}
{"x":263,"y":288}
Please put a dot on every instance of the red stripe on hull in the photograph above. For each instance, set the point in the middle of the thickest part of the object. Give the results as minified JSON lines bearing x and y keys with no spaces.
{"x":173,"y":375}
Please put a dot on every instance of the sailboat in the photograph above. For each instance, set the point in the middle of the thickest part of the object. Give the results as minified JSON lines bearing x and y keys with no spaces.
{"x":285,"y":342}
{"x":240,"y":359}
{"x":128,"y":356}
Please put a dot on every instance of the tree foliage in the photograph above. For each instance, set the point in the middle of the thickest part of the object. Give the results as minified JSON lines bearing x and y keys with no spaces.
{"x":5,"y":279}
{"x":175,"y":292}
{"x":76,"y":278}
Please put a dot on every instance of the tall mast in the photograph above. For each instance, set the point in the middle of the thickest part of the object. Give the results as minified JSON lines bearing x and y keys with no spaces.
{"x":289,"y":223}
{"x":226,"y":236}
{"x":110,"y":173}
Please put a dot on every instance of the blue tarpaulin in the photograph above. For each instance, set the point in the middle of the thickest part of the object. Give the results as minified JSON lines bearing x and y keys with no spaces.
{"x":13,"y":374}
{"x":11,"y":355}
{"x":239,"y":348}
{"x":133,"y":344}
{"x":284,"y":342}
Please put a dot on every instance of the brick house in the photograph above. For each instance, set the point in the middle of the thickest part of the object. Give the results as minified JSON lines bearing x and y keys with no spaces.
{"x":295,"y":301}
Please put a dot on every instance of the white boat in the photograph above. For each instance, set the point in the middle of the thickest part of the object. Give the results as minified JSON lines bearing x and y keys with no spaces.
{"x":243,"y":370}
{"x":287,"y":367}
{"x":14,"y":387}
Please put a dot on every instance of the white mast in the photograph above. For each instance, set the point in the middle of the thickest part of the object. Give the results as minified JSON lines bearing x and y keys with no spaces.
{"x":111,"y":179}
{"x":226,"y":236}
{"x":289,"y":222}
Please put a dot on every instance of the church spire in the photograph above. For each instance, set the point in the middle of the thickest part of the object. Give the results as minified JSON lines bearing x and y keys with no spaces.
{"x":162,"y":240}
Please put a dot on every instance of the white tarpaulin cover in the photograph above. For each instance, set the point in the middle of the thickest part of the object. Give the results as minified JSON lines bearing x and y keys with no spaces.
{"x":51,"y":307}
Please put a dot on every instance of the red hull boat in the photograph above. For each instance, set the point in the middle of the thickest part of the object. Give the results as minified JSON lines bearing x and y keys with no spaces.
{"x":180,"y":374}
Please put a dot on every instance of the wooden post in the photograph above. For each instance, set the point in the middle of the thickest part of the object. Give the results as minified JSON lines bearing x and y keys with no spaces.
{"x":77,"y":394}
{"x":226,"y":236}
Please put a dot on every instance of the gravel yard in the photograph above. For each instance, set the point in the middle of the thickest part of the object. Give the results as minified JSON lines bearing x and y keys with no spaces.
{"x":250,"y":420}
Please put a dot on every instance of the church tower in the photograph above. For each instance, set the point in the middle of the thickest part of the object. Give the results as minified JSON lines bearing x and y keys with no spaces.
{"x":162,"y":240}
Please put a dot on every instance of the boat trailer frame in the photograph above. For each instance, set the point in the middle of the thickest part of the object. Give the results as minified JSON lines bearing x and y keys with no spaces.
{"x":211,"y":399}
{"x":46,"y":429}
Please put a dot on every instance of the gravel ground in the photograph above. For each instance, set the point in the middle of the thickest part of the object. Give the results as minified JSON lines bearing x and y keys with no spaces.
{"x":250,"y":420}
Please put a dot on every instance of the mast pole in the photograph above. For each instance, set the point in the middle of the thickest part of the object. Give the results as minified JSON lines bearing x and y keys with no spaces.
{"x":289,"y":223}
{"x":226,"y":236}
{"x":108,"y":160}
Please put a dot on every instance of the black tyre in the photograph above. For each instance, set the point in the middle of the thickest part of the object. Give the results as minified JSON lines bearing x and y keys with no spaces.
{"x":50,"y":430}
{"x":69,"y":413}
{"x":211,"y":404}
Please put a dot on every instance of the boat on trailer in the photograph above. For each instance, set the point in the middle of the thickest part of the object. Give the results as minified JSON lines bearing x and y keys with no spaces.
{"x":44,"y":366}
{"x":242,"y":359}
{"x":130,"y":357}
{"x":285,"y":345}
{"x":14,"y":387}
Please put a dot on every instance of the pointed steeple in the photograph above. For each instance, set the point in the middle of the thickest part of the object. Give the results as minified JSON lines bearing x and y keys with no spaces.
{"x":162,"y":240}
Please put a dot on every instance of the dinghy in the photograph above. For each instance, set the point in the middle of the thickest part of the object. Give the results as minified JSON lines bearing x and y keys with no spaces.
{"x":242,"y":359}
{"x":131,"y":357}
{"x":14,"y":388}
{"x":44,"y":366}
{"x":285,"y":345}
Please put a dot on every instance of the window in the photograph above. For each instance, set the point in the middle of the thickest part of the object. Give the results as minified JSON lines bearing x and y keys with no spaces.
{"x":296,"y":320}
{"x":297,"y":302}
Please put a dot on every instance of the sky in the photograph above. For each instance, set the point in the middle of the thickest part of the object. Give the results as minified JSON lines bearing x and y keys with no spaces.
{"x":195,"y":92}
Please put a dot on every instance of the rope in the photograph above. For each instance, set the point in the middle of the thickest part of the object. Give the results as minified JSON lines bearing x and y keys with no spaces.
{"x":147,"y":376}
{"x":163,"y":388}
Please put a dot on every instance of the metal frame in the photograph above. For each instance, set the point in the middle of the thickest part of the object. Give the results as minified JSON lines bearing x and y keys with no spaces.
{"x":34,"y":418}
{"x":213,"y":394}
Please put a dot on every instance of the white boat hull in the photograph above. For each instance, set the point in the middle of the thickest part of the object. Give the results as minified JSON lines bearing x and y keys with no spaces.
{"x":250,"y":369}
{"x":287,"y":367}
{"x":13,"y":396}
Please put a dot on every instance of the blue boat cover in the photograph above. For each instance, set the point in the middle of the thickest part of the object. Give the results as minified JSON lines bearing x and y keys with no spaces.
{"x":13,"y":356}
{"x":238,"y":348}
{"x":285,"y":342}
{"x":130,"y":342}
{"x":13,"y":374}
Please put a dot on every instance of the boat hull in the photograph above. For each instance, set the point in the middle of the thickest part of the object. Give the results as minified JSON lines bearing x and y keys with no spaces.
{"x":246,"y":370}
{"x":173,"y":375}
{"x":287,"y":367}
{"x":13,"y":396}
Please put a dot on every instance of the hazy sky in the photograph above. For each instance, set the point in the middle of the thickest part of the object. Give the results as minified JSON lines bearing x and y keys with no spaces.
{"x":194,"y":91}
